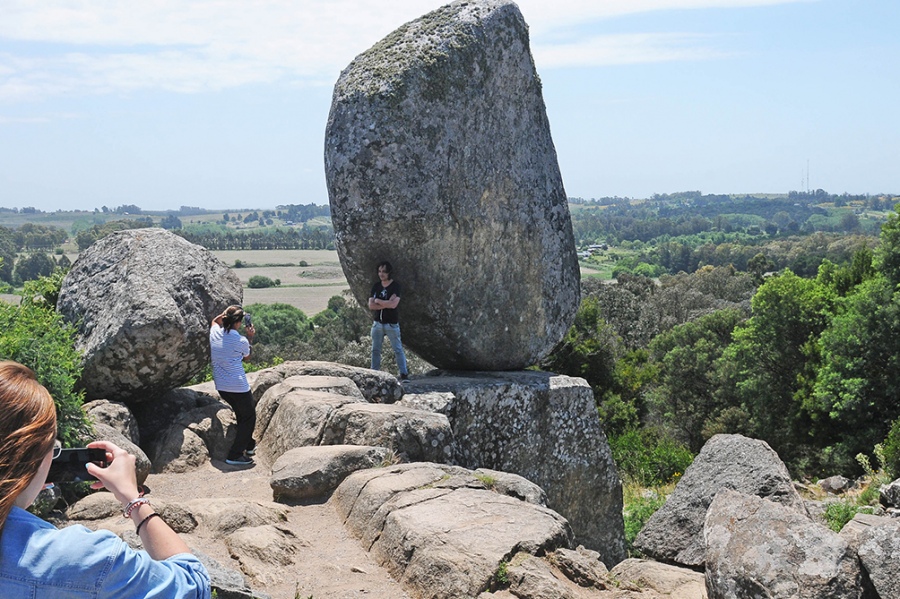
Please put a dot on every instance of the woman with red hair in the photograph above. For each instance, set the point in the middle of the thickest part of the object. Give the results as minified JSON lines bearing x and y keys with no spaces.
{"x":39,"y":560}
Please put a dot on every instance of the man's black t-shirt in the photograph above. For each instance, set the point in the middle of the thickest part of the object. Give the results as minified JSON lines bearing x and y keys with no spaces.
{"x":385,"y":293}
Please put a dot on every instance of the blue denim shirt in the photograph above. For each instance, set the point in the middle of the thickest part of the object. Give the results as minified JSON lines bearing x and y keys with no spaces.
{"x":38,"y":560}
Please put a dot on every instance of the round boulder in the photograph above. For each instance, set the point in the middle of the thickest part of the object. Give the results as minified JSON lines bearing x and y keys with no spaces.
{"x":439,"y":159}
{"x":142,"y":301}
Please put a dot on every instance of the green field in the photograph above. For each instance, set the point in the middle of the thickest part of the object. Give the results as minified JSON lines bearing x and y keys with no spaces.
{"x":305,"y":287}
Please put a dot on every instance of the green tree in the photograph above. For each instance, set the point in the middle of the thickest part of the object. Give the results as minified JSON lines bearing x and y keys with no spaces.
{"x":33,"y":266}
{"x":771,"y":365}
{"x":887,"y":255}
{"x":170,"y":221}
{"x":857,"y":393}
{"x":589,"y":349}
{"x":279,"y":324}
{"x":687,"y":396}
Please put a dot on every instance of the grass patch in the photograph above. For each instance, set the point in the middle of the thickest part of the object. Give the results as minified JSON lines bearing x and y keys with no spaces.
{"x":639,"y":504}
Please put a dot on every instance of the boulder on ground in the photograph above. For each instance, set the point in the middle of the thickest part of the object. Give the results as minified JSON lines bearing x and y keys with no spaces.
{"x":414,"y":435}
{"x":674,"y":533}
{"x":879,"y":552}
{"x":227,"y":583}
{"x":308,"y":472}
{"x":439,"y":159}
{"x":298,"y":418}
{"x":256,"y":547}
{"x":582,"y":566}
{"x":198,"y":430}
{"x":835,"y":484}
{"x":104,"y":432}
{"x":758,"y":548}
{"x":889,"y":494}
{"x":513,"y":485}
{"x":116,"y":415}
{"x":861,"y":522}
{"x":142,"y":301}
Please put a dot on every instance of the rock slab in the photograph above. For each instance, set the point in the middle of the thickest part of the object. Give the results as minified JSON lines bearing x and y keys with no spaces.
{"x":541,"y":426}
{"x":439,"y":531}
{"x":142,"y":301}
{"x":439,"y":159}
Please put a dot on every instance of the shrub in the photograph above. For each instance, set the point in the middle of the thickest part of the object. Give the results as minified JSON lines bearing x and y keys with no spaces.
{"x":891,"y":450}
{"x":38,"y":337}
{"x":838,"y":513}
{"x":649,"y":456}
{"x":636,"y":512}
{"x":260,"y":282}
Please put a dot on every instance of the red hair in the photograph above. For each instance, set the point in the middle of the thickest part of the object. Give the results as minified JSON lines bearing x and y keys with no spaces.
{"x":27,"y":431}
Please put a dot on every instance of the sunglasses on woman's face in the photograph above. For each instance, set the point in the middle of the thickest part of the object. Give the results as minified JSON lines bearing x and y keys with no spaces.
{"x":57,"y":448}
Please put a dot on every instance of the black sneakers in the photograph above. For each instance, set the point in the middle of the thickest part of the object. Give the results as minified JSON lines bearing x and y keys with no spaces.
{"x":404,"y":378}
{"x":239,"y":461}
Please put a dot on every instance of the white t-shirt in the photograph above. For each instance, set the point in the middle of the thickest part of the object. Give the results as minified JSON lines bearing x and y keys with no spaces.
{"x":228,"y":350}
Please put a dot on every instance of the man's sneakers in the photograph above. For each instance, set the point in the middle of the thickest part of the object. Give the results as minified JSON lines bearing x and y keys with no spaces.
{"x":404,"y":378}
{"x":251,"y":451}
{"x":239,"y":461}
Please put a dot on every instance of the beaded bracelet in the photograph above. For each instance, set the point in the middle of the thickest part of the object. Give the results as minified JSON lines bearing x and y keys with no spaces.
{"x":137,"y":530}
{"x":133,"y":504}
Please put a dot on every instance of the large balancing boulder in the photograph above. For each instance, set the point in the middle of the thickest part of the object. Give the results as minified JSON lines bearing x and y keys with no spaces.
{"x":142,"y":301}
{"x":439,"y":159}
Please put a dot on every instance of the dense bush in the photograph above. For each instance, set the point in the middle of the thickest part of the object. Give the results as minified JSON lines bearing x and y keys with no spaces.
{"x":649,"y":456}
{"x":279,"y":324}
{"x":891,"y":451}
{"x":260,"y":282}
{"x":34,"y":334}
{"x":33,"y":266}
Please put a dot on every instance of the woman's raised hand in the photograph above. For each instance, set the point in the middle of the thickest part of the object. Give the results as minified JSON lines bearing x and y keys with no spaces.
{"x":119,"y":475}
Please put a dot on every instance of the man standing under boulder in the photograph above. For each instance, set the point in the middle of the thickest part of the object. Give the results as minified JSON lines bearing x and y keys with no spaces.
{"x":383,"y":301}
{"x":228,"y":350}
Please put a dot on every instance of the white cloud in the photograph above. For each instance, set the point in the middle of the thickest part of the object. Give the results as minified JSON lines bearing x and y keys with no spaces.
{"x":104,"y":46}
{"x":624,"y":49}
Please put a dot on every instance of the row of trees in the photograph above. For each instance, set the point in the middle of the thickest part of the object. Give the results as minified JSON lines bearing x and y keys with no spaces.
{"x":690,"y":213}
{"x":215,"y":237}
{"x":803,"y":255}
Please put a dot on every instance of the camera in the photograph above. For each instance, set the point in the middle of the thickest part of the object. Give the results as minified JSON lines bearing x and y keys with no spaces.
{"x":71,"y":465}
{"x":247,"y":320}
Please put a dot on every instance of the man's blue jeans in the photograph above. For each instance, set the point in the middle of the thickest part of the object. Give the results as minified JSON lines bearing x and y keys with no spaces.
{"x":379,"y":330}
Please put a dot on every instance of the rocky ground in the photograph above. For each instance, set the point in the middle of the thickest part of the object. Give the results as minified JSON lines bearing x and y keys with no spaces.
{"x":329,"y":563}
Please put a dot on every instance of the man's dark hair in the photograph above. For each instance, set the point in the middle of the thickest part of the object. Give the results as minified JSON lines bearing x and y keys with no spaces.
{"x":387,"y":267}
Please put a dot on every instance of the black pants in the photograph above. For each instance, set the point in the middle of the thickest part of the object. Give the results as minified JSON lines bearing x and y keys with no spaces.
{"x":245,"y":412}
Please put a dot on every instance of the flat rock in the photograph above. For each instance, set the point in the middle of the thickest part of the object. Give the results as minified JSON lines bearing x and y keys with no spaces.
{"x":440,"y":532}
{"x":415,"y":435}
{"x":375,"y":386}
{"x":307,"y":472}
{"x":438,"y":158}
{"x":667,"y":580}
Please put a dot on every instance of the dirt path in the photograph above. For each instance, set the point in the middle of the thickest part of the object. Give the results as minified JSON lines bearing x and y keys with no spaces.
{"x":329,"y":563}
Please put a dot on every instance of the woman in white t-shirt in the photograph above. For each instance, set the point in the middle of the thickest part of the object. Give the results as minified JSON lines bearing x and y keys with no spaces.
{"x":228,"y":349}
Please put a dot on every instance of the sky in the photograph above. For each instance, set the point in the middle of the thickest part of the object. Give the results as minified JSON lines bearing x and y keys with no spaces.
{"x":222,"y":104}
